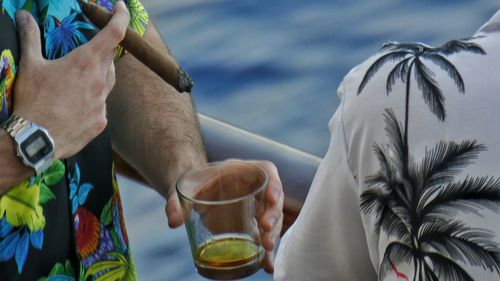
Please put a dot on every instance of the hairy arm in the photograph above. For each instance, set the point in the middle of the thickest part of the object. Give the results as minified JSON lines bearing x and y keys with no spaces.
{"x":153,"y":127}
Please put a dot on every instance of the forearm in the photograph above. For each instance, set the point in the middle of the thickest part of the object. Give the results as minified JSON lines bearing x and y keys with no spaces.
{"x":153,"y":127}
{"x":12,"y":168}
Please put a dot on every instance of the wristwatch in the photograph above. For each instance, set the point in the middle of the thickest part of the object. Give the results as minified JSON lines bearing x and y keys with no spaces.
{"x":33,"y":143}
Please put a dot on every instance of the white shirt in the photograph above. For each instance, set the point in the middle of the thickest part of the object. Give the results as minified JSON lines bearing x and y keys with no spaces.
{"x":431,"y":209}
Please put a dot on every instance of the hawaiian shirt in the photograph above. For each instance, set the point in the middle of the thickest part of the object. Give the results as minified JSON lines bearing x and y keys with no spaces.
{"x":66,"y":224}
{"x":410,"y":186}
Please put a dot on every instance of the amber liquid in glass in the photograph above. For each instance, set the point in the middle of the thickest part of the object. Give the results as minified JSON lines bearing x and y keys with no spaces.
{"x":228,"y":257}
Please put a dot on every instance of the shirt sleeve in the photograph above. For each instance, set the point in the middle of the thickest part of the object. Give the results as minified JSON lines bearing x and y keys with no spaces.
{"x":327,"y":242}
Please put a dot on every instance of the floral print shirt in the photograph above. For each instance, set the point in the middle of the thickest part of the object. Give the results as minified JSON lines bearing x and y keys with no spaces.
{"x":66,"y":224}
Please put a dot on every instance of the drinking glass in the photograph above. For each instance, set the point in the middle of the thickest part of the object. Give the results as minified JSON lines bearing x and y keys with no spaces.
{"x":221,"y":204}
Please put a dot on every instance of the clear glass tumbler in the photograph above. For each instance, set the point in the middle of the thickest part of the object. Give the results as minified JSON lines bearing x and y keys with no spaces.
{"x":222,"y":203}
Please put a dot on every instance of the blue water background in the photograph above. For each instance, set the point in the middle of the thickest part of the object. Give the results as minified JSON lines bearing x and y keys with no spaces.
{"x":273,"y":67}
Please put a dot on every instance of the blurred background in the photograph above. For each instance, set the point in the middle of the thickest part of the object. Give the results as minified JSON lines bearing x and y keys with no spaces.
{"x":273,"y":67}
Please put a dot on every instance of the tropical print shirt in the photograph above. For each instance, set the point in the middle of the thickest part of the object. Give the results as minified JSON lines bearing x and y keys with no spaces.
{"x":66,"y":224}
{"x":410,"y":186}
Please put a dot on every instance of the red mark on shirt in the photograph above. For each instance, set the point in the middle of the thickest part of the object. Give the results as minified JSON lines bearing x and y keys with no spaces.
{"x":399,"y":275}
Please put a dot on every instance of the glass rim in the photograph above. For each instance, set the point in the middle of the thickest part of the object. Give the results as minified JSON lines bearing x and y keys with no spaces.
{"x":221,"y":202}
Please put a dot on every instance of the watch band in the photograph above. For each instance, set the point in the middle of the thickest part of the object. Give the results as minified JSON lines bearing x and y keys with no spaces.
{"x":15,"y":125}
{"x":26,"y":134}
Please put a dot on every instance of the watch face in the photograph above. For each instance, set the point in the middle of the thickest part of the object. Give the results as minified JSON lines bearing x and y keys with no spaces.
{"x":36,"y":146}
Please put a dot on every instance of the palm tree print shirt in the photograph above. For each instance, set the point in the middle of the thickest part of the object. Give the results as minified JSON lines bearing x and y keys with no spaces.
{"x":66,"y":224}
{"x":410,"y":187}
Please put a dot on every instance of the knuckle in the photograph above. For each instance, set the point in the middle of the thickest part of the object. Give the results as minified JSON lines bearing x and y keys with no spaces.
{"x":111,"y":83}
{"x":28,"y":30}
{"x":101,"y":125}
{"x":117,"y":33}
{"x":111,"y":70}
{"x":100,"y":87}
{"x":111,"y":78}
{"x":126,"y":12}
{"x":269,"y":166}
{"x":102,"y":111}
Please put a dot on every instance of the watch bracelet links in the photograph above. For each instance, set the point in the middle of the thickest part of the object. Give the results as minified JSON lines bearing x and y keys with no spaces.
{"x":15,"y":125}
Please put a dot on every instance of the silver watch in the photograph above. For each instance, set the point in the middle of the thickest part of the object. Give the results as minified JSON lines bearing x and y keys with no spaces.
{"x":34,"y":144}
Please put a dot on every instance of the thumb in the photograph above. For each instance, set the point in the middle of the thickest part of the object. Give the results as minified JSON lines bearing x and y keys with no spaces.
{"x":29,"y":36}
{"x":174,"y":211}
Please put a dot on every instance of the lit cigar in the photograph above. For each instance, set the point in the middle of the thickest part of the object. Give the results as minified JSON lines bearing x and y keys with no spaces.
{"x":161,"y":63}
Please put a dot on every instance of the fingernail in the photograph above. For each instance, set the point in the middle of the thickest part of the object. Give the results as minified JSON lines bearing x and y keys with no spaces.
{"x":271,"y":221}
{"x":21,"y":17}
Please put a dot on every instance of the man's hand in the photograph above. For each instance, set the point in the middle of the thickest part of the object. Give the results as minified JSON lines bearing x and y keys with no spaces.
{"x":68,"y":95}
{"x":270,"y":222}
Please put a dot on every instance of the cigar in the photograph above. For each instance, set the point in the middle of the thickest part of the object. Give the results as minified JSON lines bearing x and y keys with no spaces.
{"x":159,"y":62}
